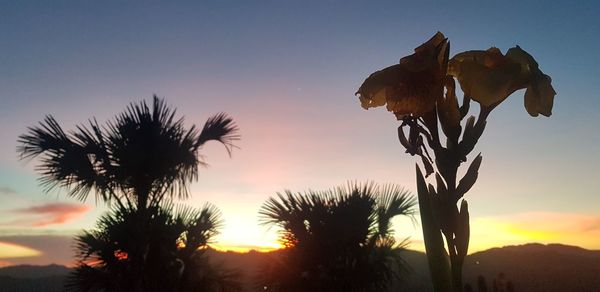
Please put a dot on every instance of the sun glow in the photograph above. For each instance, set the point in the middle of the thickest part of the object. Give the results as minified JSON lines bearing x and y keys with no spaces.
{"x":572,"y":229}
{"x":532,"y":235}
{"x":246,"y":248}
{"x":516,"y":229}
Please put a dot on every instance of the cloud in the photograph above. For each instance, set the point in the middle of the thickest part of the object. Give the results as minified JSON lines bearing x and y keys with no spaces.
{"x":13,"y":250}
{"x":590,"y":225}
{"x":7,"y":191}
{"x":49,"y":214}
{"x":43,"y":250}
{"x":551,"y":221}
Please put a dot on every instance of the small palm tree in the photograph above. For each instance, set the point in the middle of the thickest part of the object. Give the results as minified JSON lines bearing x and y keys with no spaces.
{"x":176,"y":259}
{"x":138,"y":162}
{"x":337,"y":240}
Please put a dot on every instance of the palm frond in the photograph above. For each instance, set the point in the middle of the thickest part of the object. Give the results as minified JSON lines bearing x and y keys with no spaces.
{"x":144,"y":155}
{"x":87,"y":278}
{"x":393,"y":201}
{"x":339,"y":239}
{"x":222,"y":128}
{"x":200,"y":226}
{"x":47,"y":137}
{"x":67,"y":160}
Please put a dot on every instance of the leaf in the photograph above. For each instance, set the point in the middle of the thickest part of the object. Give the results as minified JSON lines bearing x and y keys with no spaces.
{"x":464,"y":109}
{"x":449,"y":112}
{"x":470,"y":177}
{"x":471,"y":135}
{"x":222,"y":128}
{"x":441,"y":186}
{"x":437,"y":257}
{"x":403,"y":140}
{"x":463,"y":230}
{"x":469,"y":128}
{"x":427,"y":164}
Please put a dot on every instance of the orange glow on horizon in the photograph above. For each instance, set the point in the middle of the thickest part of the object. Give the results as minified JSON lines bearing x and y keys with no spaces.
{"x":545,"y":228}
{"x":518,"y":229}
{"x":246,"y":248}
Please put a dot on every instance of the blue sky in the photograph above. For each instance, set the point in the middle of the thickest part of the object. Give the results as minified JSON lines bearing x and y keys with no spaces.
{"x":287,"y":72}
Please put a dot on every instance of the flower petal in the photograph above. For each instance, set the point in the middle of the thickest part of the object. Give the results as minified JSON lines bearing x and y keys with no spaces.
{"x":539,"y":96}
{"x":486,"y":76}
{"x":378,"y":86}
{"x":404,"y":92}
{"x":428,"y":55}
{"x":411,"y":87}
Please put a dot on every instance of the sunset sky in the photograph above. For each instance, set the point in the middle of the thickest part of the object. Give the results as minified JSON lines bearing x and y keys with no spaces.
{"x":287,"y":73}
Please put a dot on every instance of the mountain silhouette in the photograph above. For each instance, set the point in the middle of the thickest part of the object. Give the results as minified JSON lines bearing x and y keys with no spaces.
{"x":530,"y":267}
{"x":25,"y":278}
{"x":537,"y":267}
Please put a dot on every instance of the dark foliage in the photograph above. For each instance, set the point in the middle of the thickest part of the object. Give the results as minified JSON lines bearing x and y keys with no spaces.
{"x":338,"y":240}
{"x":140,"y":157}
{"x":137,"y":163}
{"x":175,"y":258}
{"x":499,"y":284}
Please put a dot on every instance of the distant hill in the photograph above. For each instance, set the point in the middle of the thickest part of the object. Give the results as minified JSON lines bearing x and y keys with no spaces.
{"x":26,"y":278}
{"x":33,"y":272}
{"x":537,"y":267}
{"x":530,"y":267}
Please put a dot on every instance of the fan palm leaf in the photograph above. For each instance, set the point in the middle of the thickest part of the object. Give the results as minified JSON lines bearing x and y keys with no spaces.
{"x":337,"y":240}
{"x":142,"y":156}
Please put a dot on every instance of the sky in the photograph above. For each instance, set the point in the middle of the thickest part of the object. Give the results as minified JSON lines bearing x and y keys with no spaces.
{"x":287,"y":71}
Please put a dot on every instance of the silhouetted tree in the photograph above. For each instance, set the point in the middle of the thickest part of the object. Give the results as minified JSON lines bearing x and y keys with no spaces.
{"x":499,"y":284}
{"x":138,"y":159}
{"x":338,"y":240}
{"x":482,"y":286}
{"x":138,"y":162}
{"x":510,"y":287}
{"x":176,"y":261}
{"x":468,"y":288}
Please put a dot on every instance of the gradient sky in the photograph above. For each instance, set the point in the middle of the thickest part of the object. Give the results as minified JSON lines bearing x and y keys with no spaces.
{"x":287,"y":71}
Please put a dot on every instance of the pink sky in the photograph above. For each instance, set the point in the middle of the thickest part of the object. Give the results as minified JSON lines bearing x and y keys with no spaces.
{"x":287,"y":74}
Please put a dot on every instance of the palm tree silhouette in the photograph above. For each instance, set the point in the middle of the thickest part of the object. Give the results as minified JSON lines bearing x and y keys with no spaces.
{"x":138,"y":159}
{"x":337,"y":240}
{"x":176,"y":259}
{"x":136,"y":163}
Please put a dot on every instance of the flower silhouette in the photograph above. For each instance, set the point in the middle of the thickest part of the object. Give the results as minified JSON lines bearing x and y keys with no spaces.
{"x":412,"y":86}
{"x":489,"y":77}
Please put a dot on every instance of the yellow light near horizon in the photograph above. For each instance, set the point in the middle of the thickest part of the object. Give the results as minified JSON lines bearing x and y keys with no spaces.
{"x":11,"y":250}
{"x":545,"y":228}
{"x":242,"y":235}
{"x":489,"y":233}
{"x":531,"y":235}
{"x":246,"y":248}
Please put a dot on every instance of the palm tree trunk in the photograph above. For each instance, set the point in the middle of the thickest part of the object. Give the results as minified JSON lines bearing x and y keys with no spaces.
{"x":139,"y":259}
